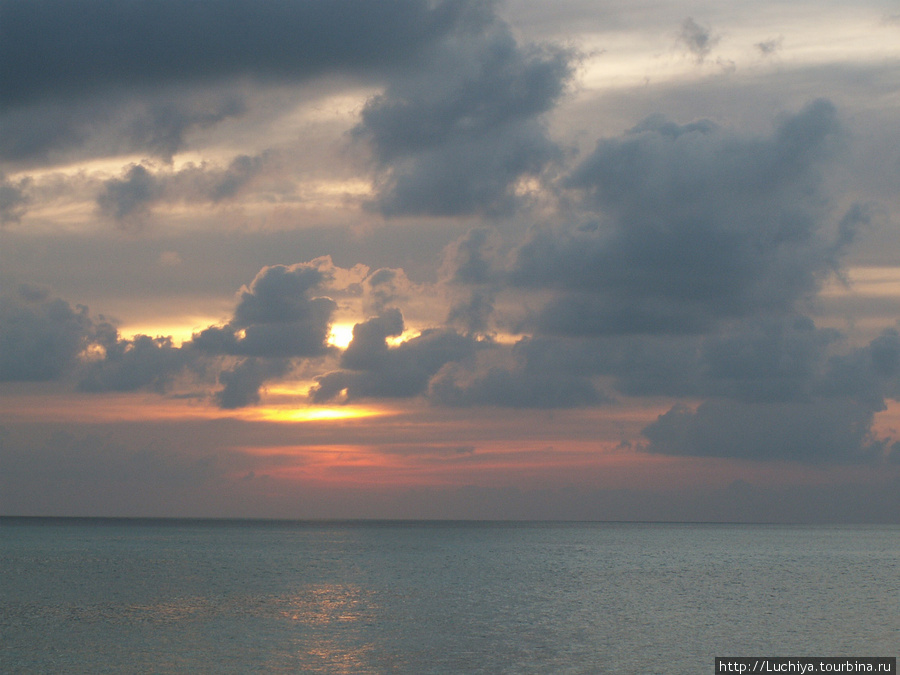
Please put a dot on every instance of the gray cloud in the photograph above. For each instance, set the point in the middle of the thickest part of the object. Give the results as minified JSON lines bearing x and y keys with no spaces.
{"x":454,"y":136}
{"x":129,"y":200}
{"x":765,"y":359}
{"x":471,"y":259}
{"x":770,"y":46}
{"x":869,"y":374}
{"x":791,"y":403}
{"x":129,"y":365}
{"x":471,"y":263}
{"x":820,"y":430}
{"x":40,"y":337}
{"x":99,"y":77}
{"x":276,"y":316}
{"x":241,"y":385}
{"x":154,"y":123}
{"x":699,"y":40}
{"x":373,"y":369}
{"x":523,"y":384}
{"x":473,"y":312}
{"x":693,"y":225}
{"x":383,"y":288}
{"x":56,"y":47}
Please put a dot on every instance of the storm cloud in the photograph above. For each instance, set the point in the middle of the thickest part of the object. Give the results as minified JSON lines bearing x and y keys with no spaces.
{"x":276,"y":316}
{"x":54,"y":47}
{"x":693,"y":225}
{"x":788,"y":403}
{"x":40,"y":336}
{"x":455,"y":136}
{"x":371,"y":368}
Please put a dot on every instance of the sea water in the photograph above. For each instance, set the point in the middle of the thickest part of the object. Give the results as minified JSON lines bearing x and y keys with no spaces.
{"x":197,"y":596}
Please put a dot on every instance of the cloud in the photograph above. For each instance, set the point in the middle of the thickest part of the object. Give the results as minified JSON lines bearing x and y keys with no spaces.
{"x":473,"y":312}
{"x":818,"y":431}
{"x":471,"y":259}
{"x":61,"y":47}
{"x":791,"y":404}
{"x":241,"y":385}
{"x":770,"y":46}
{"x":126,"y":122}
{"x":100,"y":77}
{"x":40,"y":337}
{"x":765,"y":359}
{"x":688,"y":226}
{"x":698,"y":40}
{"x":373,"y":369}
{"x":129,"y":200}
{"x":129,"y":197}
{"x":139,"y":363}
{"x":869,"y":375}
{"x":277,"y":316}
{"x":384,"y":287}
{"x":43,"y":338}
{"x":470,"y":266}
{"x":524,"y":383}
{"x":13,"y":199}
{"x":454,"y":136}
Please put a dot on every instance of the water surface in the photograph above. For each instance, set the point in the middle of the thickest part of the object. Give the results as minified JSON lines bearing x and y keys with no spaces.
{"x":196,"y":596}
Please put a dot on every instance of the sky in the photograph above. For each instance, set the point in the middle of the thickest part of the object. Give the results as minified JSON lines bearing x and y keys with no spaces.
{"x":606,"y":260}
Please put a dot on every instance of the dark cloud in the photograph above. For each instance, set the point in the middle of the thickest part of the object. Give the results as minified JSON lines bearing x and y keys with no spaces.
{"x":870,"y":374}
{"x":821,"y":430}
{"x":699,"y":40}
{"x":129,"y":200}
{"x":470,"y":176}
{"x":240,"y":172}
{"x":765,"y":359}
{"x":787,"y":401}
{"x":128,"y":365}
{"x":162,"y":128}
{"x":241,"y":385}
{"x":55,"y":47}
{"x":368,"y":348}
{"x":146,"y":122}
{"x":454,"y":136}
{"x":40,"y":337}
{"x":103,"y":77}
{"x":471,"y":259}
{"x":694,"y":225}
{"x":43,"y":338}
{"x":374,"y":369}
{"x":473,"y":312}
{"x":277,"y":316}
{"x":522,"y":384}
{"x":383,"y":288}
{"x":472,"y":263}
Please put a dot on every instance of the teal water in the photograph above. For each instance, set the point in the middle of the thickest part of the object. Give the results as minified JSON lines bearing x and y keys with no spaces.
{"x":192,"y":596}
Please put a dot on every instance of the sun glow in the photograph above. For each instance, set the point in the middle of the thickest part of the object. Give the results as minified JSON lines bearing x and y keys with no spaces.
{"x":313,"y":414}
{"x":341,"y":335}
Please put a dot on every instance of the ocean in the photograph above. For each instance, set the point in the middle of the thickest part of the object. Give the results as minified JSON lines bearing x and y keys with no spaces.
{"x":218,"y":596}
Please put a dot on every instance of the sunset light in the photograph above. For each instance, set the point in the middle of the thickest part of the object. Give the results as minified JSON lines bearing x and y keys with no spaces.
{"x":590,"y":260}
